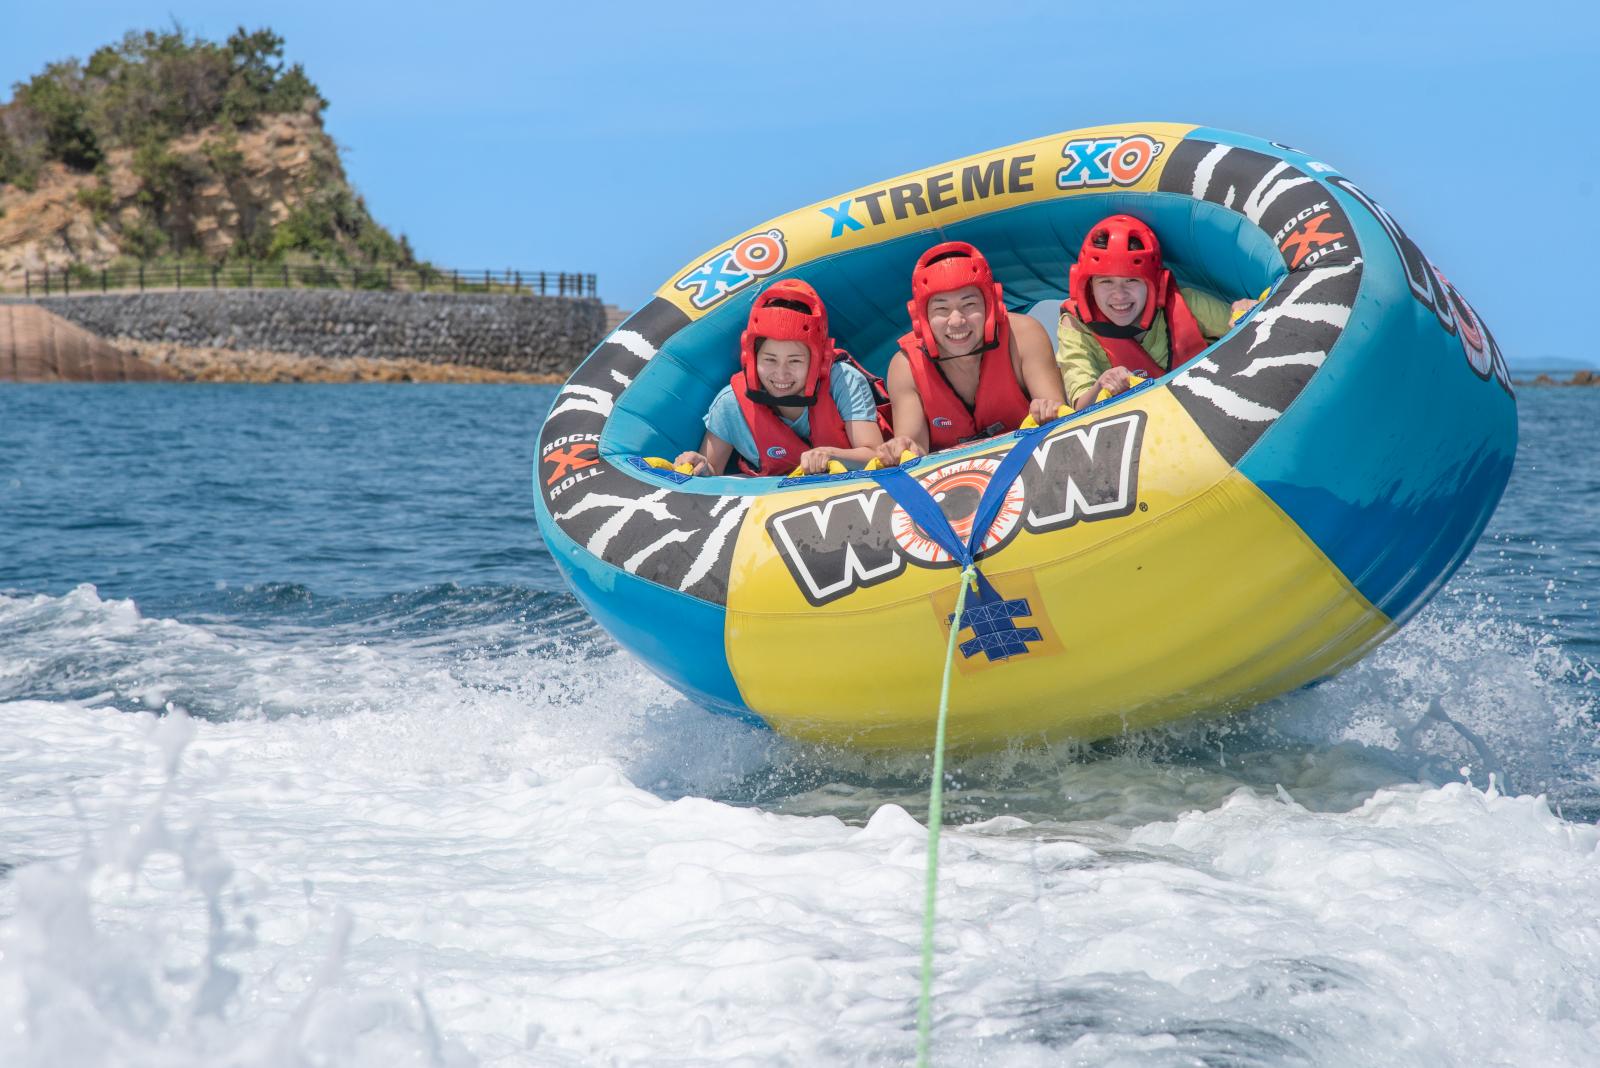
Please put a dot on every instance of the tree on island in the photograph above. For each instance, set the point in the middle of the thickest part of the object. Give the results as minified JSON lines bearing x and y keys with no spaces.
{"x":129,"y":103}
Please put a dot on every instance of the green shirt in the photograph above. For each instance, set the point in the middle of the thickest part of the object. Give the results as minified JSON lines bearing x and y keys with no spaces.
{"x":1083,"y":359}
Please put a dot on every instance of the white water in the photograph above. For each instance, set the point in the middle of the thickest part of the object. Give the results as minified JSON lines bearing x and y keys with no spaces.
{"x":413,"y":853}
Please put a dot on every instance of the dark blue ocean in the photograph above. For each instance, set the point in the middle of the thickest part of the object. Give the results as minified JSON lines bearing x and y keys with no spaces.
{"x":405,"y":803}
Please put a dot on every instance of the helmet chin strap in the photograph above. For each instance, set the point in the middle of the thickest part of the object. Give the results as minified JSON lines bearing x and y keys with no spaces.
{"x":1109,"y":329}
{"x":983,"y":347}
{"x":789,"y":400}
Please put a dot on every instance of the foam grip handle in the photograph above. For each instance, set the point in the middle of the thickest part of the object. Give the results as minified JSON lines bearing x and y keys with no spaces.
{"x":1106,"y":394}
{"x":1240,"y":313}
{"x":834,"y":468}
{"x":875,"y":464}
{"x":667,"y":465}
{"x":1030,"y":422}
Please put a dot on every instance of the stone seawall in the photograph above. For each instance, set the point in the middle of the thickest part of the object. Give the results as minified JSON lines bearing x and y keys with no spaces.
{"x":532,"y":335}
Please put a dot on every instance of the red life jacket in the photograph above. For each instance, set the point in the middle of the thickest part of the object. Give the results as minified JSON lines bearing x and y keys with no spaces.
{"x":776,"y":442}
{"x":1000,"y":404}
{"x":1184,"y":337}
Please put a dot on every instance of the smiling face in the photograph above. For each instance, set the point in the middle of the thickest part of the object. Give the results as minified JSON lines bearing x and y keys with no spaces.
{"x":1120,"y":299}
{"x":782,"y":366}
{"x":956,"y":317}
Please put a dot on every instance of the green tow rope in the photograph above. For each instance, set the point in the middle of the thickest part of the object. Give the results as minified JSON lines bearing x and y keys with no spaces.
{"x":935,"y":819}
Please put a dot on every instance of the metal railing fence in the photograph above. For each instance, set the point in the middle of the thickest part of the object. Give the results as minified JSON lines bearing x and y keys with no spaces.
{"x":180,"y":276}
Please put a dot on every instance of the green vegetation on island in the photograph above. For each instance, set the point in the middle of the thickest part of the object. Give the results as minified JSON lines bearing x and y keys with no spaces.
{"x":170,"y":148}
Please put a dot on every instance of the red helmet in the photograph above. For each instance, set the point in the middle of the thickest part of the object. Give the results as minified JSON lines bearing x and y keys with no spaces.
{"x":954,"y":265}
{"x":1122,"y":246}
{"x":770,"y":319}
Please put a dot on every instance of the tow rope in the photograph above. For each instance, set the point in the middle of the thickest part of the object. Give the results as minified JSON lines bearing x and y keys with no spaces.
{"x":969,"y":576}
{"x":913,"y":497}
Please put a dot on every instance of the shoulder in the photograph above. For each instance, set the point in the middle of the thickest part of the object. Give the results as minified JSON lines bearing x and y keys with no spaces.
{"x":851,"y":391}
{"x":1027,"y":329}
{"x":845,"y":381}
{"x":1070,"y":323}
{"x":845,"y":374}
{"x":723,"y":413}
{"x":1073,"y":336}
{"x":724,"y":399}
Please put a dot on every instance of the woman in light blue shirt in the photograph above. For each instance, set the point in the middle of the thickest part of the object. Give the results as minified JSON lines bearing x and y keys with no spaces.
{"x":795,"y":403}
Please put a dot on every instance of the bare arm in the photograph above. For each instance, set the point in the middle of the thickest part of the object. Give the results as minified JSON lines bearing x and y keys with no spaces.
{"x":910,"y":423}
{"x":1081,"y":361}
{"x":1034,"y":362}
{"x":712,"y":459}
{"x":1115,"y":381}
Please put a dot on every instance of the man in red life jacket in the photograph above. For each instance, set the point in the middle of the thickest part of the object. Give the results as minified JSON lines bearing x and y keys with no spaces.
{"x":1126,"y":314}
{"x":969,"y":369}
{"x":796,"y":401}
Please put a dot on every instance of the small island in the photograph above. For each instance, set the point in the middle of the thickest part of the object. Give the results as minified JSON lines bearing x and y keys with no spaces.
{"x":1578,"y":378}
{"x":173,"y":208}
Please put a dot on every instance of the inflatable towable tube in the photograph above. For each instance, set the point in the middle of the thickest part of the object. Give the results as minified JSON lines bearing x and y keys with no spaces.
{"x":1252,"y":522}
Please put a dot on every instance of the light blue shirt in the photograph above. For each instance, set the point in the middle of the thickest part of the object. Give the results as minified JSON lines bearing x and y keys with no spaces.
{"x":852,"y":395}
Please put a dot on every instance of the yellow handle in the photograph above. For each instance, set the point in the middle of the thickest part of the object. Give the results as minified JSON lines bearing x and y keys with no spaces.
{"x":1235,"y":316}
{"x":834,"y":468}
{"x":1106,"y":394}
{"x":875,"y":464}
{"x":668,"y":465}
{"x":1030,"y":422}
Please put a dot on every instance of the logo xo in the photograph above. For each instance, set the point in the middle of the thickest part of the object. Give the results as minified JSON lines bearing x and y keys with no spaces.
{"x":732,"y":269}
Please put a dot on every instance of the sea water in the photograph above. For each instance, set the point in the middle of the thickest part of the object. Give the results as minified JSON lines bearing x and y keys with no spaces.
{"x":307,"y":757}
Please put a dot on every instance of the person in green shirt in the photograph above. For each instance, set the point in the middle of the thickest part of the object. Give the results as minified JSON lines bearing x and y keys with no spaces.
{"x":1126,"y":314}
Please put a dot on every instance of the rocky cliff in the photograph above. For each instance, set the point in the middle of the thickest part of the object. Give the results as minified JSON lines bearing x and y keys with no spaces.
{"x":166,"y":148}
{"x":271,"y":175}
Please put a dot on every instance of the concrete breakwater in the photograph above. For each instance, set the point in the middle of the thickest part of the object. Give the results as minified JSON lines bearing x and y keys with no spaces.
{"x":529,"y":335}
{"x":36,"y":346}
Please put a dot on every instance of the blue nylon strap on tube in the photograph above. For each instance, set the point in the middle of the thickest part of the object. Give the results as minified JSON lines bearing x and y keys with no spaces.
{"x":994,"y":494}
{"x":924,"y":511}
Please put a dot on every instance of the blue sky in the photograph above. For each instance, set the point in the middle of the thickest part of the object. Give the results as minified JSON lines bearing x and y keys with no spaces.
{"x":626,"y":139}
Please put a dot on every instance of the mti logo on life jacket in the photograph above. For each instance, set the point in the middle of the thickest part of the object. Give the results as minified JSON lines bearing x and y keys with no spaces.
{"x":1100,"y":161}
{"x":777,"y":452}
{"x":731,"y":269}
{"x":941,"y":421}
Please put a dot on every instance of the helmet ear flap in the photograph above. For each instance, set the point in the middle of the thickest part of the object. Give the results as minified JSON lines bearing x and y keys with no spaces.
{"x":747,"y":358}
{"x":997,"y":307}
{"x":1078,"y":290}
{"x":918,"y":310}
